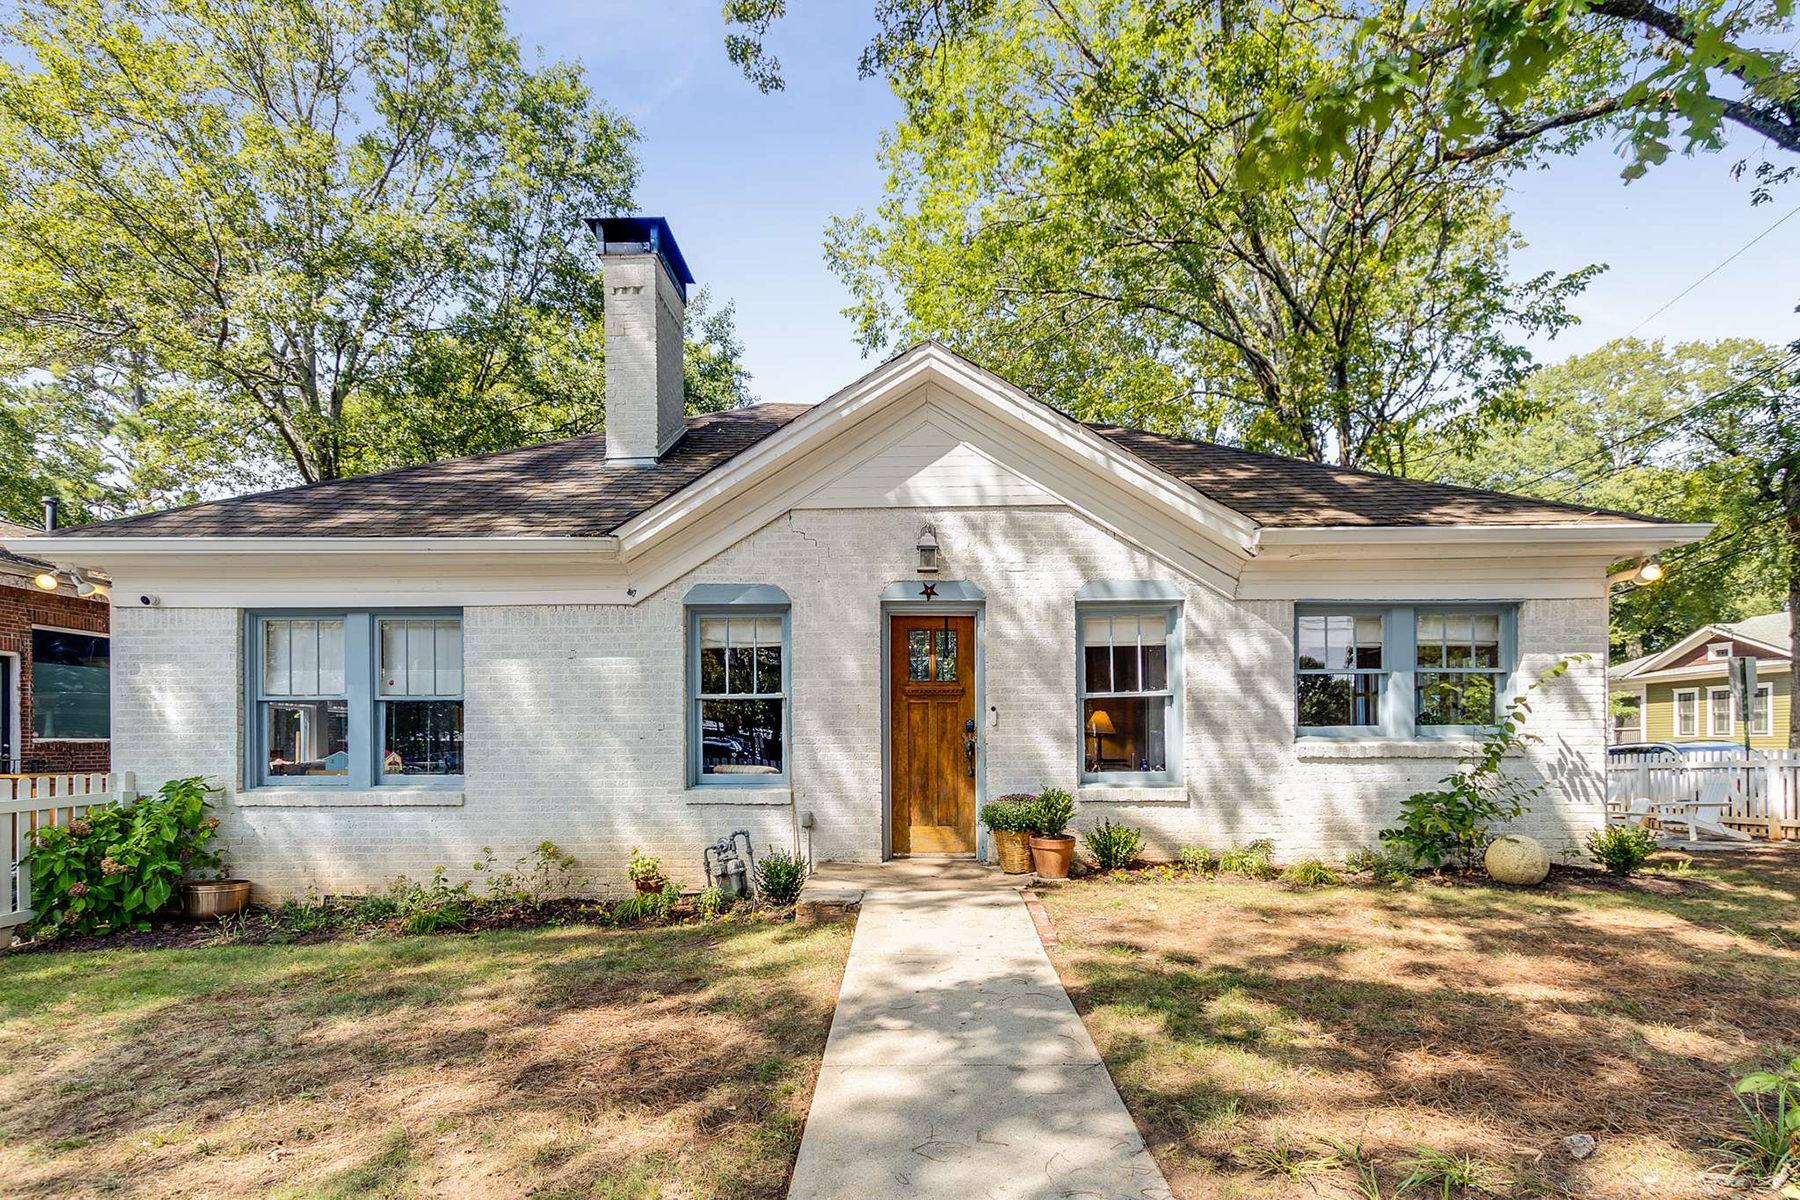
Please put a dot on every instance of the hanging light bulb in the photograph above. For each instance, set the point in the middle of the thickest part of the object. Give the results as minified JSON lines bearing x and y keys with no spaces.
{"x":45,"y":580}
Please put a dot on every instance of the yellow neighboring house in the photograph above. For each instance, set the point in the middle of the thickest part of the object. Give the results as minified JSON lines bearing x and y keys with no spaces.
{"x":1681,"y":695}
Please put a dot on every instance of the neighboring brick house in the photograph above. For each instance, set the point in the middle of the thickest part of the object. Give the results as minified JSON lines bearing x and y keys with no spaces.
{"x":53,"y":716}
{"x":875,"y":612}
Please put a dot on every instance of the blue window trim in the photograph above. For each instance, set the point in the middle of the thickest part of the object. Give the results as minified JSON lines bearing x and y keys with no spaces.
{"x":754,"y":603}
{"x":1173,"y":725}
{"x":361,"y":648}
{"x":1399,"y":657}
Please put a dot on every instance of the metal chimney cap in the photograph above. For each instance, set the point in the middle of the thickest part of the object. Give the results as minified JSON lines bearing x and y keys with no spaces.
{"x":643,"y":235}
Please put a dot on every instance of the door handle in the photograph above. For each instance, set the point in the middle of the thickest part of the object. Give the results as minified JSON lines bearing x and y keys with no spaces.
{"x":969,"y":749}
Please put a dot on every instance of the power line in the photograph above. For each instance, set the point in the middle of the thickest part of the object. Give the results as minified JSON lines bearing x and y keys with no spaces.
{"x":1690,"y":287}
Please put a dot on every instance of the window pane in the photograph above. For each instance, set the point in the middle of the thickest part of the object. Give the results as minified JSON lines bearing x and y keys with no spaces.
{"x":918,"y":654}
{"x":1156,"y":665}
{"x":393,"y":658}
{"x":1431,"y":627}
{"x":70,"y":686}
{"x":1368,"y":643}
{"x":768,"y":667}
{"x":307,"y":737}
{"x":1431,"y":654}
{"x":421,"y":676}
{"x":448,"y":656}
{"x":1340,"y":699}
{"x":1124,"y":734}
{"x":304,"y":648}
{"x":1450,"y":698}
{"x":331,"y":656}
{"x":277,"y":678}
{"x":1125,"y":665}
{"x":1457,"y":629}
{"x":1311,"y":652}
{"x":1340,"y":641}
{"x":740,"y":737}
{"x":946,"y":654}
{"x":712,"y":656}
{"x":422,"y":737}
{"x":1487,"y":641}
{"x":1456,"y":654}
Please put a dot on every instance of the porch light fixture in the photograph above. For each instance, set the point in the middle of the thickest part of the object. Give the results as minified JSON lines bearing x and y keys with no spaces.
{"x":86,"y":587}
{"x":1644,"y":572}
{"x":45,"y":580}
{"x":928,"y":551}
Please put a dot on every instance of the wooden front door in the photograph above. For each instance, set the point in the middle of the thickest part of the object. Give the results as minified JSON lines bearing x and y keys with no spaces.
{"x":932,"y":706}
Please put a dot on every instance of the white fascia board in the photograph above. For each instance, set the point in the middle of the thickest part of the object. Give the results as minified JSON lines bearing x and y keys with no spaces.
{"x":114,"y":545}
{"x":1773,"y":666}
{"x":1225,"y":526}
{"x":1703,"y":635}
{"x":1615,"y":538}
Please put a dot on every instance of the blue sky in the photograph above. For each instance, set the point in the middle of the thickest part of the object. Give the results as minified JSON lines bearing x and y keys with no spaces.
{"x":749,"y":182}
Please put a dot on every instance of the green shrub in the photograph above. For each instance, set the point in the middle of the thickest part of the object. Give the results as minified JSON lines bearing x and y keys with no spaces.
{"x":432,"y":907}
{"x":1621,"y":849}
{"x":1114,"y":847}
{"x":301,"y":917}
{"x":116,"y":866}
{"x":711,"y":902}
{"x":1311,"y":872}
{"x":1387,"y":866}
{"x":372,"y":910}
{"x":779,"y":877}
{"x":1197,"y":860}
{"x":547,"y":871}
{"x":1009,"y":814}
{"x":1051,"y":812}
{"x":1450,"y":824}
{"x":1251,"y":860}
{"x":642,"y":867}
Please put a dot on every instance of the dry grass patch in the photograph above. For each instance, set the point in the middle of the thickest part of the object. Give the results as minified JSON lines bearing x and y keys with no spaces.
{"x":672,"y":1062}
{"x":1246,"y":1022}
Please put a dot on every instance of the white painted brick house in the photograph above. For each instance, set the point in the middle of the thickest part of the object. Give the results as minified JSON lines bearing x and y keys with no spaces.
{"x":684,"y":628}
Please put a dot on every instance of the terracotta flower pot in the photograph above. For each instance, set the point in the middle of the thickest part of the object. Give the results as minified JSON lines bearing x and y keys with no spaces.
{"x":210,"y":901}
{"x":1015,"y":851}
{"x":648,"y":887}
{"x":1051,"y":855}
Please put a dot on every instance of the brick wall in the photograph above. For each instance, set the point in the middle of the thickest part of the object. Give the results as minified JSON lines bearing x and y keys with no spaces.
{"x":576,"y":725}
{"x":23,"y":605}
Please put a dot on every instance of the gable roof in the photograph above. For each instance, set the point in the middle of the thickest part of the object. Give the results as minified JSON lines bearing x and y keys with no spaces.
{"x":19,"y":564}
{"x":568,"y":488}
{"x":1279,"y":492}
{"x":1766,"y":631}
{"x":554,"y":489}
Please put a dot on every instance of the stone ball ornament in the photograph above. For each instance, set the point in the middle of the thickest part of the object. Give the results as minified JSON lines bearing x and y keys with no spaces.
{"x":1518,"y":859}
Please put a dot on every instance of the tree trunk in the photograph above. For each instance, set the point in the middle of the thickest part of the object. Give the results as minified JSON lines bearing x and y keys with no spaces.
{"x":1790,"y":497}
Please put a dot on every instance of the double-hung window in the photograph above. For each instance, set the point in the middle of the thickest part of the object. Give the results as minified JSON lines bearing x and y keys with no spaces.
{"x":1687,"y":712}
{"x":355,"y":698}
{"x":1130,"y":695}
{"x":1718,"y":711}
{"x":738,"y":686}
{"x":1400,"y":670}
{"x":1762,"y":710}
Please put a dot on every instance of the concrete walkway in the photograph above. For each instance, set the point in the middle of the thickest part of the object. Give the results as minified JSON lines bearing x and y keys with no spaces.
{"x":956,"y":1065}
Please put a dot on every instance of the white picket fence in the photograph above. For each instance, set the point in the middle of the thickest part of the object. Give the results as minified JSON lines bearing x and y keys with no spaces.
{"x":1765,"y":804}
{"x":28,"y":802}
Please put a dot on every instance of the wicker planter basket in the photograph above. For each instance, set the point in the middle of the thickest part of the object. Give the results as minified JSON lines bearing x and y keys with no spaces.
{"x":210,"y":901}
{"x":1015,"y":851}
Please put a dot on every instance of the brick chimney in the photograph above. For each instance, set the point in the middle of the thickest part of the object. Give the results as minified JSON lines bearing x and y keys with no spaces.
{"x":646,"y":300}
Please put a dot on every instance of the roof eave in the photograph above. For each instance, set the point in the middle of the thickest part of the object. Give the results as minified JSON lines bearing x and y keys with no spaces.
{"x":1608,"y":536}
{"x":74,"y":549}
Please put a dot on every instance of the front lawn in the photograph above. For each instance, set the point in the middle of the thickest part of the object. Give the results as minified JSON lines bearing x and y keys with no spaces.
{"x":1246,"y":1023}
{"x":671,"y":1062}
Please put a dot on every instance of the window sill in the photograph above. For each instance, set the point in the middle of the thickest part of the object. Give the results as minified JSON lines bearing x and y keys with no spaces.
{"x":386,"y":797}
{"x":65,"y":741}
{"x":768,"y":795}
{"x":1313,"y":749}
{"x":1132,"y":793}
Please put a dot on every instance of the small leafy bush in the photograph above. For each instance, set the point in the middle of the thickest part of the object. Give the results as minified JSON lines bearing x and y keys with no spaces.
{"x":433,"y":907}
{"x":372,"y":910}
{"x":1113,"y":846}
{"x":1621,"y":849}
{"x":1009,"y":814}
{"x":547,"y":871}
{"x":1051,"y":812}
{"x":642,"y":867}
{"x":1769,"y":1146}
{"x":779,"y":877}
{"x":1251,"y":860}
{"x":117,"y":865}
{"x":301,"y":917}
{"x":711,"y":902}
{"x":1387,"y":866}
{"x":1311,"y":872}
{"x":1450,"y":824}
{"x":1197,"y":860}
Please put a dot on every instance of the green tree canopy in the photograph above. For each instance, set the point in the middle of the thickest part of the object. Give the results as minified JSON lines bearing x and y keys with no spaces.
{"x":250,"y":240}
{"x":1064,"y":204}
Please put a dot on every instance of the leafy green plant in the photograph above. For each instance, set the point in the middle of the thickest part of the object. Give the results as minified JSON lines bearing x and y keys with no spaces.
{"x":1311,"y":872}
{"x":779,"y":877}
{"x":1051,"y":812}
{"x":547,"y":871}
{"x":1282,"y":1160}
{"x":433,"y":907}
{"x":1450,"y":1174}
{"x":1386,"y":865}
{"x":1197,"y":860}
{"x":372,"y":910}
{"x":1450,"y":824}
{"x":301,"y":917}
{"x":1769,"y":1146}
{"x":1621,"y":849}
{"x":1009,"y":814}
{"x":1113,"y":846}
{"x":1252,"y":860}
{"x":643,"y":868}
{"x":711,"y":902}
{"x":117,"y":865}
